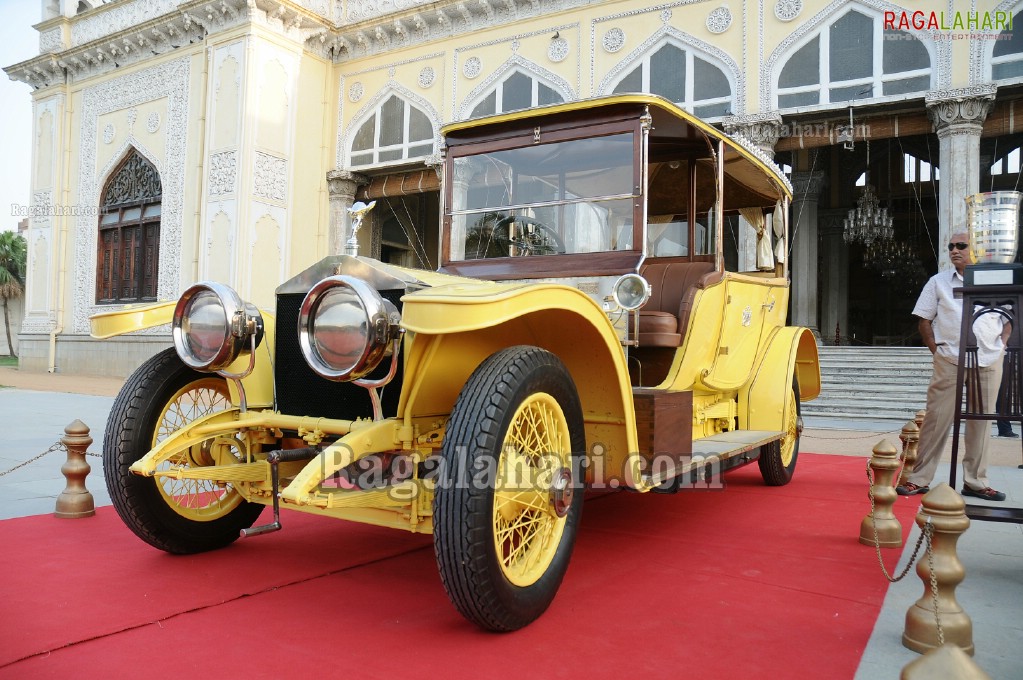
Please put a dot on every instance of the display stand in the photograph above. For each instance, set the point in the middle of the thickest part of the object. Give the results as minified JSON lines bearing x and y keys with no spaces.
{"x":989,"y":289}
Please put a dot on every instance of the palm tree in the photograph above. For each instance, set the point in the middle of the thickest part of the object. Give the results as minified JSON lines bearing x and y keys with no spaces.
{"x":12,"y":274}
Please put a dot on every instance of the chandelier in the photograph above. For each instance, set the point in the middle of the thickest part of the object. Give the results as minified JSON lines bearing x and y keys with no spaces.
{"x":868,"y":221}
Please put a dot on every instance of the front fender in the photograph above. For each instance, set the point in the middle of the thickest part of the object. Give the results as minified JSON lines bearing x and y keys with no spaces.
{"x":791,"y":351}
{"x":259,"y":385}
{"x":131,"y":318}
{"x":456,"y":327}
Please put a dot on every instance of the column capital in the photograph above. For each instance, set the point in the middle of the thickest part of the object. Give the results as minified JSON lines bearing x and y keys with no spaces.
{"x":344,"y":183}
{"x":807,"y":185}
{"x":763,"y":129}
{"x":960,"y":111}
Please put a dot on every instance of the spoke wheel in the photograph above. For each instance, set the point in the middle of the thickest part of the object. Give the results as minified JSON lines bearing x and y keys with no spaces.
{"x":527,"y":528}
{"x":197,"y":499}
{"x":507,"y":507}
{"x":778,"y":459}
{"x":179,"y":516}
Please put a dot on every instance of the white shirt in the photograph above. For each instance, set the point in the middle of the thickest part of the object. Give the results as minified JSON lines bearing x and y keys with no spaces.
{"x":939,"y":305}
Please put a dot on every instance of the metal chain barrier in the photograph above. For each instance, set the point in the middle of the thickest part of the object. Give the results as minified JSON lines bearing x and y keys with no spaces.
{"x":868,"y":435}
{"x":928,"y":531}
{"x":56,"y":446}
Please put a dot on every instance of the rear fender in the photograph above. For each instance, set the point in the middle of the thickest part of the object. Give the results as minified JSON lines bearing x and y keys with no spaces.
{"x":791,"y":351}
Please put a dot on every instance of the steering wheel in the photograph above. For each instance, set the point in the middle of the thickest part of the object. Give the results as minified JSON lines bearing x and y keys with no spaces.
{"x":541,"y":240}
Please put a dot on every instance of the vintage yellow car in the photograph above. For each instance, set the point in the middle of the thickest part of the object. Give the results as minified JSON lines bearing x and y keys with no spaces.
{"x":590,"y":327}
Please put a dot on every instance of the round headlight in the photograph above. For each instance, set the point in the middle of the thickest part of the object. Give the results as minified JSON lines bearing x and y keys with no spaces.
{"x":631,"y":292}
{"x":344,"y":328}
{"x":212,"y":326}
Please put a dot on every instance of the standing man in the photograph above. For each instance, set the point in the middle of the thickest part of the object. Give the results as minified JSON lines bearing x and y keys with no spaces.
{"x":940,"y":314}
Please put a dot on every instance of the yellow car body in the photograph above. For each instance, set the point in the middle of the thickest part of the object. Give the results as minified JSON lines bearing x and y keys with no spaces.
{"x":722,"y":397}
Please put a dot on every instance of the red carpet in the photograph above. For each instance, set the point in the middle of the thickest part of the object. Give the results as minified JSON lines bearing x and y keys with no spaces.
{"x":751,"y":582}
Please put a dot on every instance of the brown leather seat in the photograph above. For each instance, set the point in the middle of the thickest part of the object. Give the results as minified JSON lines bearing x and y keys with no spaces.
{"x":663,"y":320}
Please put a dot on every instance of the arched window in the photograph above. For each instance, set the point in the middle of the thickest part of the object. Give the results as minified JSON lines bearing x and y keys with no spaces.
{"x":683,"y":77}
{"x":396,"y":131}
{"x":515,"y":91}
{"x":854,"y":57}
{"x":128,"y":257}
{"x":1007,"y":56}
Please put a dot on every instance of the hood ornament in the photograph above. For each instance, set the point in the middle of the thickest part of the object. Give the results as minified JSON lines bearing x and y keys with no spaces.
{"x":358,"y":212}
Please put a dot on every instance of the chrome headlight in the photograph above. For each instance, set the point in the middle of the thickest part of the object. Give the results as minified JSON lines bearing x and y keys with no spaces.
{"x":345,"y":327}
{"x":212,"y":326}
{"x":631,"y":292}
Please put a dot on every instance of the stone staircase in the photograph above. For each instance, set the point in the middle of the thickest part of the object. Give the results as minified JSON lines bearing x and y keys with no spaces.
{"x":866,"y":387}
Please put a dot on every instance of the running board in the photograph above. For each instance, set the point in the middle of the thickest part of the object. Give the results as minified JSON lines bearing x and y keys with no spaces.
{"x":711,"y":455}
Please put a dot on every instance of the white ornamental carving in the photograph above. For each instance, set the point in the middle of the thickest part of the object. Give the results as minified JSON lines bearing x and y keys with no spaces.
{"x":270,"y":180}
{"x":787,"y":10}
{"x":359,"y":10}
{"x":665,"y":15}
{"x":472,"y":67}
{"x":614,"y":40}
{"x":153,"y":122}
{"x":168,"y":80}
{"x":41,"y":202}
{"x":557,"y":51}
{"x":108,"y":133}
{"x":427,"y":76}
{"x":223,"y":171}
{"x":356,"y":91}
{"x":110,"y":19}
{"x":719,"y":20}
{"x":51,"y":41}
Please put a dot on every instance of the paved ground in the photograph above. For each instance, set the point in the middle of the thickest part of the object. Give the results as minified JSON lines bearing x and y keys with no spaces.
{"x":35,"y":408}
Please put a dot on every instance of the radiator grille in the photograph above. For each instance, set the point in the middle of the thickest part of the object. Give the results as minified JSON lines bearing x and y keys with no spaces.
{"x":300,"y":392}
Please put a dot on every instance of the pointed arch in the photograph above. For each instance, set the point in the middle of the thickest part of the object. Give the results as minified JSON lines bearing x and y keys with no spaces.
{"x":128,"y":242}
{"x":843,"y":54}
{"x":395,"y":126}
{"x":1003,"y":58}
{"x":518,"y":83}
{"x":703,"y":79}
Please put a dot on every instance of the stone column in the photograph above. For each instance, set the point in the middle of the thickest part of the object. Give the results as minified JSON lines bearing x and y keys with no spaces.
{"x":834,"y":296}
{"x":957,"y":116}
{"x":341,"y":188}
{"x":806,"y":189}
{"x":763,"y":130}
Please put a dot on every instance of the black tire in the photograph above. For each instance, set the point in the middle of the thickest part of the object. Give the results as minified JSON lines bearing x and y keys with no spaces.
{"x":469,"y":510}
{"x":778,"y":459}
{"x":147,"y":408}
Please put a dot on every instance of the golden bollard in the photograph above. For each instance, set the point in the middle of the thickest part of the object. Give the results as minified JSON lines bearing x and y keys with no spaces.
{"x":881,"y":521}
{"x":925,"y":631}
{"x":947,"y":662}
{"x":910,"y":438}
{"x":75,"y":500}
{"x":919,"y":419}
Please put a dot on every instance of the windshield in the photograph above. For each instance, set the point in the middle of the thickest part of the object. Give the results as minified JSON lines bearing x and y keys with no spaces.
{"x":565,"y":197}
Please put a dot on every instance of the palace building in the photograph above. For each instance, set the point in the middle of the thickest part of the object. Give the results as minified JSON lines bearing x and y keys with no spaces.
{"x":180,"y":140}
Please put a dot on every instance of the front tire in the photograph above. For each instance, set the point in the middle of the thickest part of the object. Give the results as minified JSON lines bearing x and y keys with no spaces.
{"x":506,"y":513}
{"x":178,"y":516}
{"x":778,"y":459}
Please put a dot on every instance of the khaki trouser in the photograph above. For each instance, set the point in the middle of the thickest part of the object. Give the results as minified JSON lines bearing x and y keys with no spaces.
{"x":941,"y":408}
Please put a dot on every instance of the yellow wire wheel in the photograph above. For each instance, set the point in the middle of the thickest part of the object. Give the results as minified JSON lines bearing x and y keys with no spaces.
{"x":527,"y":526}
{"x":178,"y":516}
{"x":196,"y":499}
{"x":778,"y":459}
{"x":507,"y":505}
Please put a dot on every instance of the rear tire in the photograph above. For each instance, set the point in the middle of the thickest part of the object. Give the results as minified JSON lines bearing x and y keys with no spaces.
{"x":178,"y":516}
{"x":778,"y":459}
